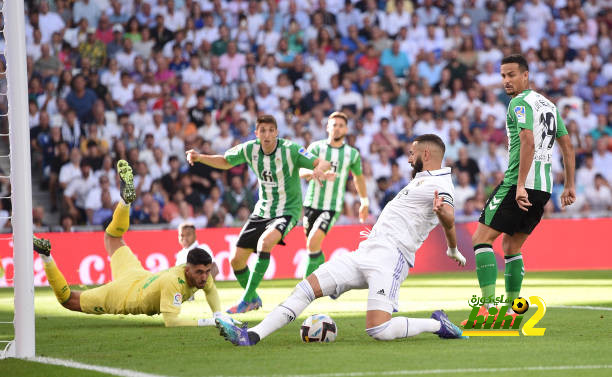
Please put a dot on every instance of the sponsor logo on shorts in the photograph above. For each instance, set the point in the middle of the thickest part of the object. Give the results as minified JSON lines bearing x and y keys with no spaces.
{"x":381,"y":292}
{"x":280,"y":224}
{"x":494,"y":203}
{"x":178,"y":299}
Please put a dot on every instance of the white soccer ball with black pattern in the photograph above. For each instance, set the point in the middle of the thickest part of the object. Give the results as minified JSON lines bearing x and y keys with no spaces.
{"x":318,"y":328}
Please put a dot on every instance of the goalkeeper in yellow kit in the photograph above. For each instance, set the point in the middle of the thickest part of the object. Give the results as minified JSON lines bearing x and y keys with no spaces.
{"x":135,"y":290}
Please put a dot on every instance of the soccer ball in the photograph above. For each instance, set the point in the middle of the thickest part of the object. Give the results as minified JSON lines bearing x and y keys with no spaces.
{"x":520,"y":305}
{"x":318,"y":328}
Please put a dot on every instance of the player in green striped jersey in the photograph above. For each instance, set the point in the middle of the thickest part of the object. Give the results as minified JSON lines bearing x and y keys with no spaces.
{"x":324,"y":202}
{"x":516,"y":206}
{"x":276,"y":163}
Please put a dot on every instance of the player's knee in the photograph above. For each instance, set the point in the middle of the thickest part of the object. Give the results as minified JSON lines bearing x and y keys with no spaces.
{"x":303,"y":291}
{"x":476,"y":239}
{"x":236,"y":263}
{"x":506,"y":245}
{"x":381,"y":332}
{"x":269,"y":242}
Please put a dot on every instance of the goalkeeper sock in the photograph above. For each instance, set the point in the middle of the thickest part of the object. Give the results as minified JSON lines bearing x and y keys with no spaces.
{"x":314,"y":261}
{"x":242,"y":276}
{"x":121,"y":220}
{"x":212,"y":296}
{"x":256,"y":276}
{"x":57,"y":281}
{"x":284,"y":313}
{"x":515,"y":270}
{"x":486,"y":269}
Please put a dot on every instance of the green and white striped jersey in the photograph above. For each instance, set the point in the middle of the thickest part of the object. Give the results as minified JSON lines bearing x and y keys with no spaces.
{"x":280,"y":192}
{"x":531,"y":110}
{"x":330,"y":195}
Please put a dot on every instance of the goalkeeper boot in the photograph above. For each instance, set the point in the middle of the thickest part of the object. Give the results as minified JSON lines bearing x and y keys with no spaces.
{"x":128,"y":193}
{"x":448,"y":330}
{"x":237,"y":335}
{"x":41,"y":246}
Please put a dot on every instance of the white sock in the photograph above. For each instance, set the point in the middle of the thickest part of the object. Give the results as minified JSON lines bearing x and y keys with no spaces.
{"x":403,"y":327}
{"x":46,"y":259}
{"x":287,"y":311}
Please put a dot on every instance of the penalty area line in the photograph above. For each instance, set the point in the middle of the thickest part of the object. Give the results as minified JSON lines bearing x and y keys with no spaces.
{"x":449,"y":371}
{"x":96,"y":368}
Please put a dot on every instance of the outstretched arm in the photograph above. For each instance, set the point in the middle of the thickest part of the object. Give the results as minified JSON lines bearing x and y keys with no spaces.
{"x":446,"y":215}
{"x":569,"y":164}
{"x":173,"y":320}
{"x":216,"y":161}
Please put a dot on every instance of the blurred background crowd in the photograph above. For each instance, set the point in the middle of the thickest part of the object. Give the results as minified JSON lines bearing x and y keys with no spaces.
{"x":145,"y":80}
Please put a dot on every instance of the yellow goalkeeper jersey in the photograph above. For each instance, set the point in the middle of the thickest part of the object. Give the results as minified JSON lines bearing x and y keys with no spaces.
{"x":135,"y":290}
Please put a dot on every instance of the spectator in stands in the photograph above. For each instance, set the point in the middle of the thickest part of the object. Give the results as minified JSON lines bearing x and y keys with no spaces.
{"x":602,"y":158}
{"x":599,"y":195}
{"x":38,"y":216}
{"x":467,"y":164}
{"x":567,"y":49}
{"x":238,"y":196}
{"x":76,"y":192}
{"x":463,"y":189}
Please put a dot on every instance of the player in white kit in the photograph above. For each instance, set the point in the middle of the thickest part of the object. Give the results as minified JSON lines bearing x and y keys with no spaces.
{"x":382,"y":261}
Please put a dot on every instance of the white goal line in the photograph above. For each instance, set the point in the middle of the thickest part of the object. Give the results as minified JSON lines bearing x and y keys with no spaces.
{"x":97,"y":368}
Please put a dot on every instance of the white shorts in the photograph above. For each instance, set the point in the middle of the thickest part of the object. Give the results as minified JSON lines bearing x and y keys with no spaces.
{"x":377,"y":265}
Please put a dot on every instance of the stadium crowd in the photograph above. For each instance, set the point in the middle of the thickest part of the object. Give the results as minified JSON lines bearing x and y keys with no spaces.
{"x":145,"y":80}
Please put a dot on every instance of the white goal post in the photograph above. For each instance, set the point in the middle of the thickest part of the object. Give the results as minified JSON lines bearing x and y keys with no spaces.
{"x":20,"y":174}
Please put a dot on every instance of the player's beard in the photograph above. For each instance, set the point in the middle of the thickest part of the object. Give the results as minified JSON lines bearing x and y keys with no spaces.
{"x":417,"y":167}
{"x":339,"y":139}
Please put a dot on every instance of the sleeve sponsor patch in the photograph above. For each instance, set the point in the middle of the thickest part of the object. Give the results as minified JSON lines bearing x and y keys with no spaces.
{"x":519,"y":111}
{"x":305,"y":153}
{"x":178,"y":299}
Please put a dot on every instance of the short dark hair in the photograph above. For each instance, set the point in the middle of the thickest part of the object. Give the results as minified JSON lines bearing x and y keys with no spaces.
{"x":431,"y":138}
{"x":518,"y":59}
{"x":198,"y":256}
{"x":265,"y":119}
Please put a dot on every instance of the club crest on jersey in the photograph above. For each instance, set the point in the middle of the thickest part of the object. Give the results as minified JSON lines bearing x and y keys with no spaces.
{"x":519,"y":111}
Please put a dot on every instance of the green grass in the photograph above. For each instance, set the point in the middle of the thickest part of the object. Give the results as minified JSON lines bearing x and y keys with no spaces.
{"x":573,"y":337}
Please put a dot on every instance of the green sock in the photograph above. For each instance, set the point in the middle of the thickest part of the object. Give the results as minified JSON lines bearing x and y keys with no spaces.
{"x":256,"y":276}
{"x":314,"y":261}
{"x":243,"y":276}
{"x":515,"y":270}
{"x":486,"y":269}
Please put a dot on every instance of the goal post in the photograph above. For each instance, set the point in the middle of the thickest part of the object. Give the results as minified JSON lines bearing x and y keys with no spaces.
{"x":20,"y":175}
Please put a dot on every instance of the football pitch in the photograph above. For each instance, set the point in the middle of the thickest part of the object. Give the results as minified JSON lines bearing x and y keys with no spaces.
{"x":577,"y":341}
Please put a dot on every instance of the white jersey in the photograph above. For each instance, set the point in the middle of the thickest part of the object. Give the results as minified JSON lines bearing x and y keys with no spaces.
{"x":406,"y":220}
{"x":181,"y":256}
